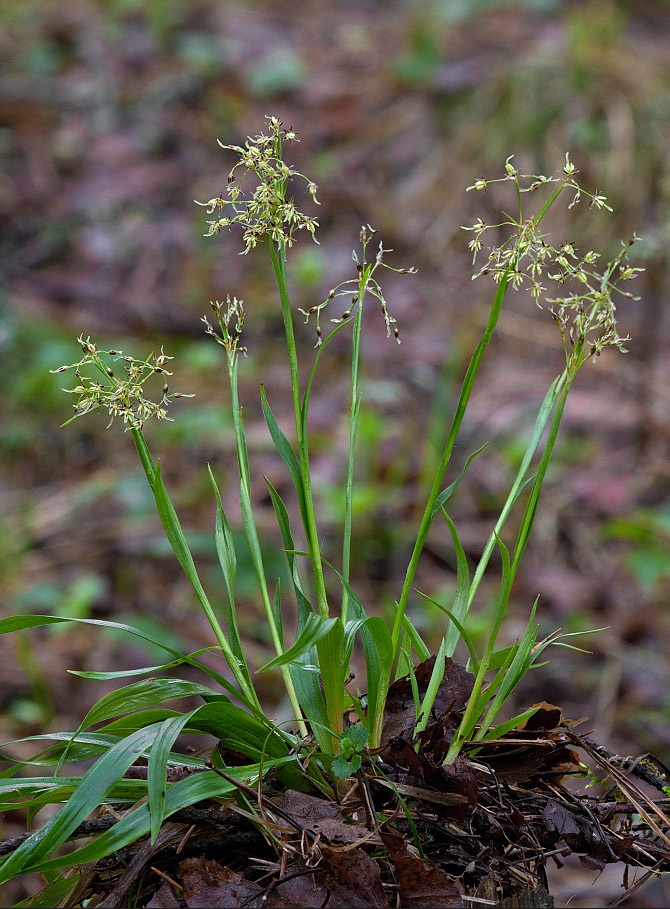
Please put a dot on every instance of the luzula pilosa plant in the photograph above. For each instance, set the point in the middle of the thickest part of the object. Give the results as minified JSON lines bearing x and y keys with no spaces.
{"x":259,"y":202}
{"x":315,"y":667}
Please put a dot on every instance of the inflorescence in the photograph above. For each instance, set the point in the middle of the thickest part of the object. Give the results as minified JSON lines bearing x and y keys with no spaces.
{"x":586,"y":314}
{"x":120,"y":396}
{"x":267,"y":212}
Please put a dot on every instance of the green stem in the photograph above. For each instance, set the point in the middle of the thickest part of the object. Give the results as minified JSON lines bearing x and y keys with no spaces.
{"x":251,"y":535}
{"x":279,"y":265}
{"x":428,"y":516}
{"x":329,"y":653}
{"x":353,"y":427}
{"x":523,"y":535}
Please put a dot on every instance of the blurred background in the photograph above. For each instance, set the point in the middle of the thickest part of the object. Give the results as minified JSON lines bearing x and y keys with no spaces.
{"x":109,"y":116}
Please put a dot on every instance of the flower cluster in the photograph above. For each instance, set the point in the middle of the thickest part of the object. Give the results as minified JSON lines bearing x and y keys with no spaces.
{"x":267,"y":212}
{"x":119,"y":396}
{"x":586,"y":314}
{"x":230,"y":316}
{"x":355,"y":288}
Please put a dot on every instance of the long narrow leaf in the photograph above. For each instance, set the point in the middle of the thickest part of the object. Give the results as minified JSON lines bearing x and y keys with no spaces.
{"x":146,"y":670}
{"x":447,"y":493}
{"x":196,"y":788}
{"x":467,"y":640}
{"x":498,"y":731}
{"x":85,"y":799}
{"x":286,"y":453}
{"x":304,"y":670}
{"x":436,"y":677}
{"x":515,"y":672}
{"x":417,"y":641}
{"x":161,"y":747}
{"x":460,"y":605}
{"x":312,"y":631}
{"x":147,"y":693}
{"x":379,"y":663}
{"x":225,"y":549}
{"x":20,"y":622}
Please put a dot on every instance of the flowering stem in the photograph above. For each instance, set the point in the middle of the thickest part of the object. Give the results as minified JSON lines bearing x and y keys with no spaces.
{"x":330,"y":656}
{"x":251,"y":535}
{"x":353,"y":427}
{"x":428,"y":516}
{"x":469,"y":716}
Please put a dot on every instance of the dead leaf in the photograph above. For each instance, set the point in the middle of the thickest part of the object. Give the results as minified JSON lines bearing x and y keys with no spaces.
{"x":450,"y":701}
{"x":207,"y":883}
{"x":420,"y":771}
{"x":322,"y":817}
{"x":164,"y":898}
{"x":353,"y":879}
{"x":558,"y":819}
{"x":420,"y":883}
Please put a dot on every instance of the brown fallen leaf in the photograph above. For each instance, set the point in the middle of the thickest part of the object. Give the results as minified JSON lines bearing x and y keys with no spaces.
{"x":323,"y":817}
{"x":450,"y":701}
{"x":454,"y":786}
{"x":164,"y":898}
{"x":421,"y":885}
{"x":207,"y":883}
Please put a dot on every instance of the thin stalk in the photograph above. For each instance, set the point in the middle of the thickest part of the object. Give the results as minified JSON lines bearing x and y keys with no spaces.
{"x":329,"y":653}
{"x":522,"y":539}
{"x":511,"y":498}
{"x":279,"y":265}
{"x":251,"y":534}
{"x":428,"y":516}
{"x":353,"y":427}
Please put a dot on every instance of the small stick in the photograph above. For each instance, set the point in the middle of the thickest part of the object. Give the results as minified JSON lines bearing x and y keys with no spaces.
{"x":166,"y":877}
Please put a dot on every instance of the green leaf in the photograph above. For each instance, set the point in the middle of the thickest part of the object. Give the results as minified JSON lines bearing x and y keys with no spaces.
{"x":86,"y":798}
{"x":304,"y":670}
{"x":196,"y":788}
{"x":147,"y":693}
{"x":460,"y":604}
{"x":225,"y":549}
{"x":126,"y":673}
{"x":276,"y":611}
{"x":53,"y":895}
{"x":467,"y":640}
{"x":447,"y":493}
{"x":165,"y":738}
{"x":436,"y":677}
{"x":342,"y":768}
{"x":498,"y":731}
{"x":20,"y":622}
{"x":314,"y":628}
{"x":286,"y":453}
{"x":357,"y":735}
{"x":422,"y":651}
{"x":175,"y":535}
{"x":241,"y":731}
{"x":379,"y":663}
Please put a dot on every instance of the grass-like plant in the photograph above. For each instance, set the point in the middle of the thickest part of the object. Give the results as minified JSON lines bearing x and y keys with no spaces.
{"x":320,"y":749}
